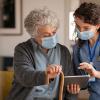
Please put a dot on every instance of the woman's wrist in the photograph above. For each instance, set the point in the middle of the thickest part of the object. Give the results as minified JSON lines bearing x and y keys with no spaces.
{"x":97,"y":74}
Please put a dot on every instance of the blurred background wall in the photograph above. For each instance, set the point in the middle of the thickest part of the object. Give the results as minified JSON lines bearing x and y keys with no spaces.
{"x":61,"y":7}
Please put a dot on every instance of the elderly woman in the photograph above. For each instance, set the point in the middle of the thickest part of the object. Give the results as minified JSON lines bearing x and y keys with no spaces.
{"x":39,"y":57}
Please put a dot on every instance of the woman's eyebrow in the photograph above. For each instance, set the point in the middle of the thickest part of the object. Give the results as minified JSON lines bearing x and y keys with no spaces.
{"x":86,"y":27}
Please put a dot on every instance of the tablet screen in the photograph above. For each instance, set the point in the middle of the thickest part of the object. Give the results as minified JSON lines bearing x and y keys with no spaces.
{"x":82,"y":80}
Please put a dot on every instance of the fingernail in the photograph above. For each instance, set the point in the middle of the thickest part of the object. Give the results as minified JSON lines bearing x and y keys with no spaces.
{"x":79,"y":67}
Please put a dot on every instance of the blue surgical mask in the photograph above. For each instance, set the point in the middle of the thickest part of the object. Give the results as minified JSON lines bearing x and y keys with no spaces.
{"x":49,"y":42}
{"x":85,"y":35}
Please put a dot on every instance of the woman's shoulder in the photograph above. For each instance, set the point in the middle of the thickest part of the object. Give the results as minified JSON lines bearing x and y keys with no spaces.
{"x":75,"y":45}
{"x":24,"y":44}
{"x":63,"y":48}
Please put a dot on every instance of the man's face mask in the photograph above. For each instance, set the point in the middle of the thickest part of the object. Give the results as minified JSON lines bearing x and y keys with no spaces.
{"x":85,"y":35}
{"x":49,"y":42}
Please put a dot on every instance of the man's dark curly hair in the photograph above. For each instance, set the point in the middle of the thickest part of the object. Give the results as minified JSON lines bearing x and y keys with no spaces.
{"x":89,"y":13}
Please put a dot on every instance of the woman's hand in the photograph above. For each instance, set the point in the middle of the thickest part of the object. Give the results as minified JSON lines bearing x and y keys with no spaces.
{"x":88,"y":68}
{"x":73,"y":88}
{"x":53,"y":70}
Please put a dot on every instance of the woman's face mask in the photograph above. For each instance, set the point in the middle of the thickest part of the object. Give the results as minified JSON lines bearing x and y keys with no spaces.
{"x":85,"y":35}
{"x":47,"y":36}
{"x":49,"y":42}
{"x":85,"y":31}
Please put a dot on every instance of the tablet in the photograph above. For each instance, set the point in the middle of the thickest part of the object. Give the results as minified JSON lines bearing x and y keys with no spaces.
{"x":82,"y":80}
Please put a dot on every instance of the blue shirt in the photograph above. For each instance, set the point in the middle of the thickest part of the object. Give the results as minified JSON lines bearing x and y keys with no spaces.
{"x":83,"y":53}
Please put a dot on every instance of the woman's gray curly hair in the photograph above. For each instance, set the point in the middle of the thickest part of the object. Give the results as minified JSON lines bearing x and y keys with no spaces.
{"x":40,"y":17}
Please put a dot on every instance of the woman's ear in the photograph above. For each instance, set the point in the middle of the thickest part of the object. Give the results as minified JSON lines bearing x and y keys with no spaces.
{"x":98,"y":27}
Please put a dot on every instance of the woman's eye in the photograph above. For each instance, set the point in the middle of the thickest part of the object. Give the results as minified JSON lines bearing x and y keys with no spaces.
{"x":54,"y":33}
{"x":46,"y":35}
{"x":87,"y":29}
